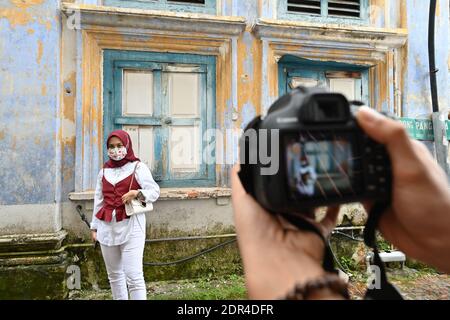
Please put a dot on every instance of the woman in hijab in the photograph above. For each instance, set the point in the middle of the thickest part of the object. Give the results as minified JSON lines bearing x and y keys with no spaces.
{"x":122,"y":237}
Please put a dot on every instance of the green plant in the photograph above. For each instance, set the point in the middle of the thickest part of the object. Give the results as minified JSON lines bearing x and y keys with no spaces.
{"x":223,"y":288}
{"x":348,"y":263}
{"x":383,"y":245}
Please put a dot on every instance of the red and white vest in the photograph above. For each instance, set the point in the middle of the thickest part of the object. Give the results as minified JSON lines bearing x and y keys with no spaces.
{"x":112,"y":198}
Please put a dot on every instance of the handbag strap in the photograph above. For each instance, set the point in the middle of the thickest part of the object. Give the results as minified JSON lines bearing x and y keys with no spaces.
{"x":132,"y":177}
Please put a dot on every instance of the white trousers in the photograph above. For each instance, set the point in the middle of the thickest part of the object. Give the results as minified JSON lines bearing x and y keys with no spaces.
{"x":124,"y":265}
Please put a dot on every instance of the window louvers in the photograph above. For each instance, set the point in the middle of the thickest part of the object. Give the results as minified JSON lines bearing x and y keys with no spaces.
{"x":188,"y":1}
{"x":344,"y":8}
{"x":304,"y":6}
{"x":336,"y":8}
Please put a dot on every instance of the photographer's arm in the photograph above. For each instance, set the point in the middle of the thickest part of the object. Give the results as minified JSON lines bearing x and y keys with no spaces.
{"x":276,"y":255}
{"x":418,"y":221}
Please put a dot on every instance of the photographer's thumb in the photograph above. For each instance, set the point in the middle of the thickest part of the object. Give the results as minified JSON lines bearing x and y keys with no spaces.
{"x":386,"y":131}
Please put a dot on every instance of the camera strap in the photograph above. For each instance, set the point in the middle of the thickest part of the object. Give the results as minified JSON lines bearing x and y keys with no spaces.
{"x":381,"y":289}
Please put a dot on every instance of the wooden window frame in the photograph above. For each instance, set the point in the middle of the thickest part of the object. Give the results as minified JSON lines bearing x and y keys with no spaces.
{"x":115,"y":62}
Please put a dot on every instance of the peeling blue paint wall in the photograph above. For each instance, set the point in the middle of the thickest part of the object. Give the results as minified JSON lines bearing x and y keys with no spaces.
{"x":416,"y":92}
{"x":29,"y":104}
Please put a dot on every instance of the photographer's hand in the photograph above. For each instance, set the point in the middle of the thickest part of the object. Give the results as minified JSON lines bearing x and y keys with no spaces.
{"x":418,"y":222}
{"x":275,"y":254}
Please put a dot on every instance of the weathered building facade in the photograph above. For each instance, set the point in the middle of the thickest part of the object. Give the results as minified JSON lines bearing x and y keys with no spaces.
{"x":183,"y":78}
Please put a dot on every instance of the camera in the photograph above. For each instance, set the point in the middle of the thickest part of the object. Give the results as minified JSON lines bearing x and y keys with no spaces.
{"x":322,"y":157}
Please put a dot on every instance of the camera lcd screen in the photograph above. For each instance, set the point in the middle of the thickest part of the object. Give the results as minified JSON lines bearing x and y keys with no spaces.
{"x":321,"y":166}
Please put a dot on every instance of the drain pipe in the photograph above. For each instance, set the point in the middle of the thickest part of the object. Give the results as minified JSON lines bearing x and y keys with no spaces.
{"x":439,"y":118}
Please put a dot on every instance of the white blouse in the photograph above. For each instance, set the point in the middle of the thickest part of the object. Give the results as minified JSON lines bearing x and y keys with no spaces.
{"x":116,"y":233}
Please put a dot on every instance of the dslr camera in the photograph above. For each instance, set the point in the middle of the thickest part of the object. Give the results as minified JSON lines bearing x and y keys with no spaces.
{"x":323,"y":156}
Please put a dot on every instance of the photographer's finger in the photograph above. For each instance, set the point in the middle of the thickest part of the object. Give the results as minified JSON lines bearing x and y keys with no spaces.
{"x":386,"y":131}
{"x":247,"y":212}
{"x":368,"y":205}
{"x":243,"y":204}
{"x":237,"y":189}
{"x":329,"y":222}
{"x":423,"y":152}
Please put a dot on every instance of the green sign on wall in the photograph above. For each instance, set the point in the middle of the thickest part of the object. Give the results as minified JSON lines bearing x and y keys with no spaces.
{"x":421,"y":129}
{"x":448,"y":130}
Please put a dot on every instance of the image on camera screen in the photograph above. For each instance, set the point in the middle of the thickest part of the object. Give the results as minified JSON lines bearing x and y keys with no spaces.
{"x":319,"y":166}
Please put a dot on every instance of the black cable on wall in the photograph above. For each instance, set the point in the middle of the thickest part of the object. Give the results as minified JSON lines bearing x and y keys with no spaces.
{"x":431,"y":56}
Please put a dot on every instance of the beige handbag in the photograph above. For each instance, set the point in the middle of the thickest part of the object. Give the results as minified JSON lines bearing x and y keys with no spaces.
{"x":136,"y":206}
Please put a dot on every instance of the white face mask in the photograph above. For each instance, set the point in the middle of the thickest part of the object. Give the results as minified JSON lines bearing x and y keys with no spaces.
{"x":117,"y":154}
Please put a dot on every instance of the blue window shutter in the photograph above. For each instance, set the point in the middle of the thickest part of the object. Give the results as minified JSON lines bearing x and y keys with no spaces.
{"x":155,"y":122}
{"x":291,"y":67}
{"x":115,"y":62}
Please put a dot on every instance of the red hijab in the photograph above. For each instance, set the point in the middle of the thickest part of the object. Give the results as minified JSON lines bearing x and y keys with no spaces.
{"x":126,"y":140}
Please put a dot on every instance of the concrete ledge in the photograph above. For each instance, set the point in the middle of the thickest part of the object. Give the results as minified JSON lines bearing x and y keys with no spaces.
{"x":93,"y":16}
{"x":169,"y":194}
{"x":51,"y":259}
{"x":82,"y":196}
{"x":198,"y":193}
{"x":32,"y":242}
{"x":349,"y":36}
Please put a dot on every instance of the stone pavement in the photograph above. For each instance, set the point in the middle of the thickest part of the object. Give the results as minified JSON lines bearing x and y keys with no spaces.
{"x":413,"y":286}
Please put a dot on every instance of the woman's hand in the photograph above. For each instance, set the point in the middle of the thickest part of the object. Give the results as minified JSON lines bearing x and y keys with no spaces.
{"x":127,"y":197}
{"x":94,"y":235}
{"x":276,"y":255}
{"x":418,"y":221}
